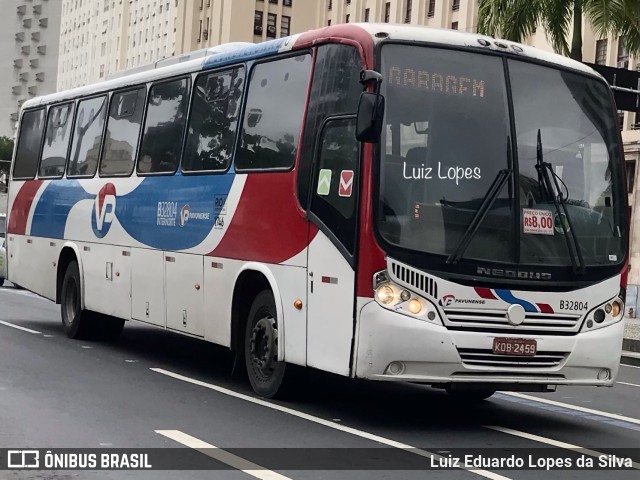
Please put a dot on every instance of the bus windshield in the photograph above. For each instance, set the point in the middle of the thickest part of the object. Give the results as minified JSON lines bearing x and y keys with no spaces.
{"x":452,"y":130}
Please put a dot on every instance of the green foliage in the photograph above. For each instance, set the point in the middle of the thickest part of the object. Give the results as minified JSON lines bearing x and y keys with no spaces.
{"x":6,"y":148}
{"x":517,"y":19}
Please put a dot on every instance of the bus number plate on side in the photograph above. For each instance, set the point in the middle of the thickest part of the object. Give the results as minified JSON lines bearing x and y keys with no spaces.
{"x":515,"y":346}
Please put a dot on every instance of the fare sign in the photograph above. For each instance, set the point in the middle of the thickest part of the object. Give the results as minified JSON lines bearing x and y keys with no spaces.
{"x":537,"y":221}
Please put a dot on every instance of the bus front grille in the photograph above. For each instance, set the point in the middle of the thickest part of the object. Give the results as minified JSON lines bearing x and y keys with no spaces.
{"x":495,"y":321}
{"x":478,"y":357}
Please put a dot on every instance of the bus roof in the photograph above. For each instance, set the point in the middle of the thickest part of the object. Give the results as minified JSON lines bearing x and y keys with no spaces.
{"x":240,"y":52}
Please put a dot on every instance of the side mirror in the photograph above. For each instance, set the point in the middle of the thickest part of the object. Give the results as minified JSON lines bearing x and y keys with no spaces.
{"x":370,"y":116}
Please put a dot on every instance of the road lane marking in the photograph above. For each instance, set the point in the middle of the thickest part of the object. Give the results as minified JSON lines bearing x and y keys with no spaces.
{"x":18,"y":327}
{"x":577,"y":408}
{"x":326,"y":423}
{"x":223,"y":456}
{"x":630,"y":366}
{"x":630,"y":384}
{"x":554,"y":443}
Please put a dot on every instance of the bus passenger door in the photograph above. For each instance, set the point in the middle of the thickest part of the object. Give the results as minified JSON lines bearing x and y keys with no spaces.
{"x":331,"y":275}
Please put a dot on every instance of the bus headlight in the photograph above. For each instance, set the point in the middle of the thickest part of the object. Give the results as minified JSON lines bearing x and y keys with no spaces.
{"x":385,"y":294}
{"x":398,"y":299}
{"x":604,"y":315}
{"x":414,"y":306}
{"x":616,"y":308}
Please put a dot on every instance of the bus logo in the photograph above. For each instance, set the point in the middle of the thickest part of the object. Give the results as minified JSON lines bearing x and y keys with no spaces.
{"x":184,"y":215}
{"x":447,"y":300}
{"x":104,"y":210}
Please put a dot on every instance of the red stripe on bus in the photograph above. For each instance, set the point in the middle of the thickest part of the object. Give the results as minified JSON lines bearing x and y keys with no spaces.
{"x":267,"y":225}
{"x":22,"y":206}
{"x":545,"y":308}
{"x":485,"y":293}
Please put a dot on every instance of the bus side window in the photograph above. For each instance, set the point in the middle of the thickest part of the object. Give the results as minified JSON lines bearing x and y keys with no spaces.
{"x":87,"y":137}
{"x":164,"y":127}
{"x":56,"y":141}
{"x":123,"y":131}
{"x":335,"y":187}
{"x":273,"y":115}
{"x":29,"y":142}
{"x":213,"y":121}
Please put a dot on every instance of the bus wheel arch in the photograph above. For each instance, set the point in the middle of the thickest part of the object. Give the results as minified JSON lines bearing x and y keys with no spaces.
{"x":257,"y":334}
{"x":68,"y":254}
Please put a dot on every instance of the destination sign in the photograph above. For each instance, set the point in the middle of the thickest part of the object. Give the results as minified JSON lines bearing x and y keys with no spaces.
{"x":436,"y":82}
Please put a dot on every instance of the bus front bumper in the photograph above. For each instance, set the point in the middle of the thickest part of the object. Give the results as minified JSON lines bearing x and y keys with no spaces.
{"x":395,"y":347}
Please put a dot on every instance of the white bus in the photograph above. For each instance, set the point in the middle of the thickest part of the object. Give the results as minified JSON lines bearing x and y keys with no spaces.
{"x":461,"y":222}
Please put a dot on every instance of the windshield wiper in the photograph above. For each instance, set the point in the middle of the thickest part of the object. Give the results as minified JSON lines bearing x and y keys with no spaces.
{"x":545,"y":173}
{"x":487,"y":201}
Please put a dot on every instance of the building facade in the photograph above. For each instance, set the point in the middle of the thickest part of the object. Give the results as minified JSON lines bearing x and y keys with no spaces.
{"x":101,"y":37}
{"x":28,"y":55}
{"x":206,"y":23}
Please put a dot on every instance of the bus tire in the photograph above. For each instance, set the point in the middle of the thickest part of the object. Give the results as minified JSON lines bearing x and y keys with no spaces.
{"x":470,"y":394}
{"x":77,"y":323}
{"x":265,"y":372}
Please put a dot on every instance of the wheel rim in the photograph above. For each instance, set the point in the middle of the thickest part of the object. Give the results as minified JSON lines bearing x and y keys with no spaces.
{"x":71,"y":301}
{"x":263,"y":346}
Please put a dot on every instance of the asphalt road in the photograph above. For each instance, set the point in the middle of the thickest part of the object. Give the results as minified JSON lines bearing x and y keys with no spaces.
{"x":156,"y":389}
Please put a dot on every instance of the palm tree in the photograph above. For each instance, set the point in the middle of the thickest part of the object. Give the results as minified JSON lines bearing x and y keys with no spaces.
{"x":517,"y":19}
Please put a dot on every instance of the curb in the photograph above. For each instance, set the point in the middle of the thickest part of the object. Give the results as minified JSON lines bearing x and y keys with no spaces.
{"x":631,"y":351}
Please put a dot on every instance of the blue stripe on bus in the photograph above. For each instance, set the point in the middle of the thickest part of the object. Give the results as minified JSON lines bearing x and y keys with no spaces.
{"x":150,"y":214}
{"x":259,"y":50}
{"x":507,"y":296}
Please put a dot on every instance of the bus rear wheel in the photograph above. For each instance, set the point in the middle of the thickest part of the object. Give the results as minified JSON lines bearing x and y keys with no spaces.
{"x":76,"y":322}
{"x":83,"y":324}
{"x":266,"y":373}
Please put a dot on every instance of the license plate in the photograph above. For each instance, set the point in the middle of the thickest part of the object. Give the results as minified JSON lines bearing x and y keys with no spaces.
{"x":515,"y":346}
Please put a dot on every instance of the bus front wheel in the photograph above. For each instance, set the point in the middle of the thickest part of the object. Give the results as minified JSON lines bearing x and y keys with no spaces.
{"x":265,"y":372}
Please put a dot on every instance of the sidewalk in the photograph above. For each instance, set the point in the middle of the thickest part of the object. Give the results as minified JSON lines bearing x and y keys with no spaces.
{"x":631,"y":342}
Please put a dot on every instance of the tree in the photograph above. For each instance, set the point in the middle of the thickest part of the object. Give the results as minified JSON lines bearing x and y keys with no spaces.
{"x":6,"y":148}
{"x":515,"y":20}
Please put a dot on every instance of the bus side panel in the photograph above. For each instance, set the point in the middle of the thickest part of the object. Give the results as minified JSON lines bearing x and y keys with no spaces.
{"x":107,"y":279}
{"x":33,"y":262}
{"x":219,"y":282}
{"x":292,"y":283}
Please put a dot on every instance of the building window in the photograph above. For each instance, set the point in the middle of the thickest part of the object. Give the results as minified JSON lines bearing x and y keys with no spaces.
{"x":287,"y":3}
{"x":275,"y":2}
{"x":432,"y":8}
{"x":407,"y":11}
{"x":272,"y":20}
{"x":631,"y":175}
{"x":348,"y":2}
{"x":329,"y":23}
{"x":387,"y":11}
{"x":330,"y":5}
{"x":454,"y":26}
{"x":257,"y":23}
{"x":347,"y":18}
{"x":623,"y":54}
{"x":285,"y":26}
{"x":455,"y":5}
{"x":366,"y":14}
{"x":601,"y":52}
